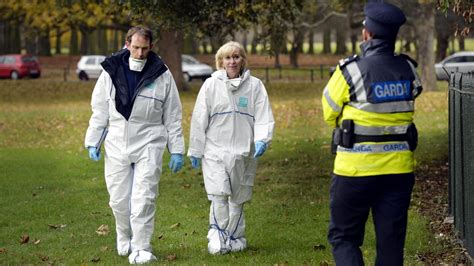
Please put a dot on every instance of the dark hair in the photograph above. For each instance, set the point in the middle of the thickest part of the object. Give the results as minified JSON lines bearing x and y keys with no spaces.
{"x":141,"y":30}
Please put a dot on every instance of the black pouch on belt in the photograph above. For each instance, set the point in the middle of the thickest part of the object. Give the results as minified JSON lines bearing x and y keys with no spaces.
{"x":336,"y":139}
{"x":347,"y":127}
{"x":412,"y":137}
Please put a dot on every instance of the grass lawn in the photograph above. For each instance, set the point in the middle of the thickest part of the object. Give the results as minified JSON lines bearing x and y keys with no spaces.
{"x":52,"y":194}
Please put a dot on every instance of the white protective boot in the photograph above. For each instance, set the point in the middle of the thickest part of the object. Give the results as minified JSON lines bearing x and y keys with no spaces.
{"x":141,"y":257}
{"x":218,"y":221}
{"x":124,"y":232}
{"x":236,"y":228}
{"x":123,"y":247}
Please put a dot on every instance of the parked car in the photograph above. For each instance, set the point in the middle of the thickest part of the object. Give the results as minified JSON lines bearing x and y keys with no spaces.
{"x":459,"y":62}
{"x":193,"y":69}
{"x":16,"y":66}
{"x":89,"y":67}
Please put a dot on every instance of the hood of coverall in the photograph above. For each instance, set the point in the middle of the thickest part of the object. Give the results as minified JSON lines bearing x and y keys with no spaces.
{"x":114,"y":66}
{"x":231,"y":84}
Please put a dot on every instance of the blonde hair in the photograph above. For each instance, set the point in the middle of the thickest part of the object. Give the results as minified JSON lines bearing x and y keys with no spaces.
{"x":229,"y":49}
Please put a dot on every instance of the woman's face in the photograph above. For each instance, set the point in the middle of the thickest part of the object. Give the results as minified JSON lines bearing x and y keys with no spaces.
{"x":233,"y":64}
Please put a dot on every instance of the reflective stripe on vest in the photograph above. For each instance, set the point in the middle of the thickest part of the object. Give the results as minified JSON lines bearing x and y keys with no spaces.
{"x":383,"y":130}
{"x":331,"y":103}
{"x":416,"y":83}
{"x":376,"y":148}
{"x":363,"y":104}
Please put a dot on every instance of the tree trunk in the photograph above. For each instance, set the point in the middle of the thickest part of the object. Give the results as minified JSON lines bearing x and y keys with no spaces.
{"x":311,"y":41}
{"x":341,"y":40}
{"x":277,"y":59}
{"x":57,"y":47}
{"x":294,"y":56}
{"x":170,"y":47}
{"x":44,"y":43}
{"x":73,"y":44}
{"x":245,"y":40}
{"x":253,"y":49}
{"x":462,"y":46}
{"x":327,"y":41}
{"x":31,"y":41}
{"x":425,"y":32}
{"x":296,"y":46}
{"x":441,"y":47}
{"x":354,"y":43}
{"x":84,"y":41}
{"x":3,"y":37}
{"x":443,"y":29}
{"x":12,"y":37}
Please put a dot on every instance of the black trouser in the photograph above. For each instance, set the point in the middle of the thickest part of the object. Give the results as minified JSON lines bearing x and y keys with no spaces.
{"x":388,"y":196}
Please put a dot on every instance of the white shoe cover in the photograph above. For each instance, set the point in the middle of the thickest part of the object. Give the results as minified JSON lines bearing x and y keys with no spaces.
{"x":236,"y":245}
{"x":123,"y":249}
{"x":141,"y":257}
{"x":216,"y":245}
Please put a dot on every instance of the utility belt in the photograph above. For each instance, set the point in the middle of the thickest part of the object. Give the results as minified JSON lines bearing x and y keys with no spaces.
{"x":344,"y":136}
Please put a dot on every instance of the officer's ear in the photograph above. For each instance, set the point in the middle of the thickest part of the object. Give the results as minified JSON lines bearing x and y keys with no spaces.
{"x":366,"y":34}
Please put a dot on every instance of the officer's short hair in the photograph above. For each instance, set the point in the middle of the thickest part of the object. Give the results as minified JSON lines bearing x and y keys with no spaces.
{"x":229,"y":49}
{"x":141,"y":30}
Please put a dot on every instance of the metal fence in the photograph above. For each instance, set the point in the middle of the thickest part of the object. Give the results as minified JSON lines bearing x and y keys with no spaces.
{"x":461,"y":156}
{"x":290,"y":74}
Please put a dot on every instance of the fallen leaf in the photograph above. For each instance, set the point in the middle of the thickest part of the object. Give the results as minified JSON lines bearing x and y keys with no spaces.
{"x":161,"y":236}
{"x":176,"y":225}
{"x":95,"y":259}
{"x":105,"y":248}
{"x":103,"y":230}
{"x":43,"y":257}
{"x":319,"y":247}
{"x":3,"y":250}
{"x":171,"y":257}
{"x":324,"y":263}
{"x":187,"y":186}
{"x":448,"y":220}
{"x":24,"y":239}
{"x":57,"y":226}
{"x":37,"y":241}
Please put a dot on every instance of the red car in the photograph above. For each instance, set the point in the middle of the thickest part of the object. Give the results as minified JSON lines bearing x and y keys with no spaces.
{"x":17,"y":66}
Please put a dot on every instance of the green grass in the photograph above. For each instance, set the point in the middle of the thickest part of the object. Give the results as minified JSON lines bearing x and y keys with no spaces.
{"x":54,"y":194}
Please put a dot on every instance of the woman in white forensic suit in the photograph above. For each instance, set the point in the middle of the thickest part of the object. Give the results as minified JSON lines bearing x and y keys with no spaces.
{"x":231,"y":126}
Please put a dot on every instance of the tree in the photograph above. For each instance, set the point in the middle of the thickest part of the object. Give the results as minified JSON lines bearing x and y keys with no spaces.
{"x":445,"y":28}
{"x":172,"y":19}
{"x":425,"y":31}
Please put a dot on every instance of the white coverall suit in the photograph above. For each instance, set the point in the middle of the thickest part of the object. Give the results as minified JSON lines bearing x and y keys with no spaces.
{"x":226,"y":122}
{"x":134,"y":150}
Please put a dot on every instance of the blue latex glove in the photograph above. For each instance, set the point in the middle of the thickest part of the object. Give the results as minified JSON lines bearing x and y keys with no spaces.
{"x":195,"y":162}
{"x":176,"y":162}
{"x":94,"y":154}
{"x":260,"y":148}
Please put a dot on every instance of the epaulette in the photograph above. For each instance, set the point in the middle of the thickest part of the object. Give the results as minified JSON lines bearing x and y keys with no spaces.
{"x":407,"y":57}
{"x":343,"y":62}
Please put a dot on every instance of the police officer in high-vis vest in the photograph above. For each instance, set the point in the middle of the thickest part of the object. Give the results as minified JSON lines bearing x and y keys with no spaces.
{"x":370,"y":102}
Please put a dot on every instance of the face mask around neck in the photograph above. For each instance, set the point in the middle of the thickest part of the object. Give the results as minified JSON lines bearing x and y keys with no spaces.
{"x":233,"y":84}
{"x":136,"y":64}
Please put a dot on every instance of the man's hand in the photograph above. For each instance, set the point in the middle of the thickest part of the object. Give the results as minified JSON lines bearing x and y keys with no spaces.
{"x":260,"y":148}
{"x":195,"y":162}
{"x":94,"y":153}
{"x":176,"y":162}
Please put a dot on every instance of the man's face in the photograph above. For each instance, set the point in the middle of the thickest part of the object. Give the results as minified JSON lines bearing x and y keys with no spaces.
{"x":139,"y":47}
